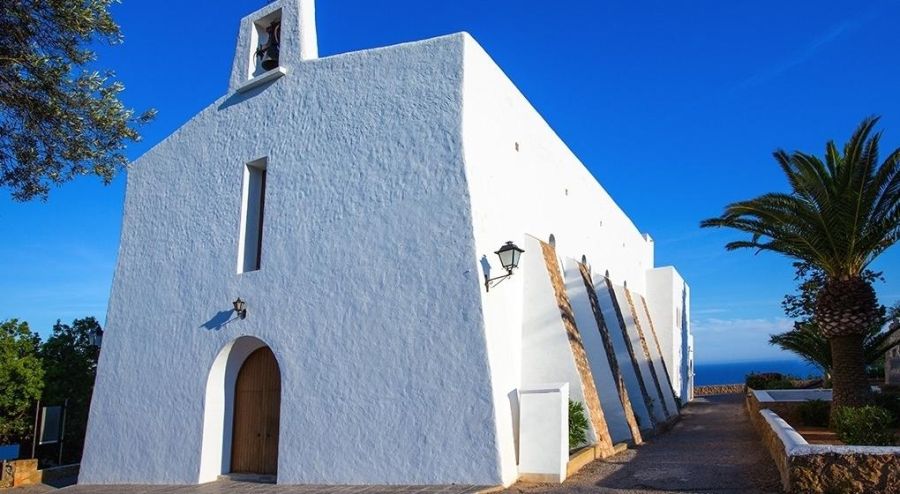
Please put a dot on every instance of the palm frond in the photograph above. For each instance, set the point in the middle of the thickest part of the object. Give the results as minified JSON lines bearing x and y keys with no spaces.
{"x":842,"y":212}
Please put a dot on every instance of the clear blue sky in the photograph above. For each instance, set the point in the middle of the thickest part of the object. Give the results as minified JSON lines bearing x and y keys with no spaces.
{"x":675,"y":107}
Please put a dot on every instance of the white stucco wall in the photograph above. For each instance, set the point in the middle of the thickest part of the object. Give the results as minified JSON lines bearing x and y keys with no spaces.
{"x":368,"y":293}
{"x":517,"y":192}
{"x":656,"y":408}
{"x":605,"y":382}
{"x":546,"y":351}
{"x":668,"y":298}
{"x":393,"y":175}
{"x":623,"y":356}
{"x":541,"y":188}
{"x":649,"y":331}
{"x":545,"y":431}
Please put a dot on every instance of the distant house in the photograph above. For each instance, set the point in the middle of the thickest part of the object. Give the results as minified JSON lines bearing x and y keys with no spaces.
{"x":301,"y":282}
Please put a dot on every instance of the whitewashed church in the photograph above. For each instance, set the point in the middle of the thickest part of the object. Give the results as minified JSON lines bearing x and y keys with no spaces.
{"x":379,"y":267}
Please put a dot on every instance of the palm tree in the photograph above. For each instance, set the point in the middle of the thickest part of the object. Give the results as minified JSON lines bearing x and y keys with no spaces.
{"x":841,"y":214}
{"x":807,"y":342}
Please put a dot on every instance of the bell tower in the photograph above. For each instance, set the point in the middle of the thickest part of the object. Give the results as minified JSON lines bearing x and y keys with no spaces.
{"x":271,"y":41}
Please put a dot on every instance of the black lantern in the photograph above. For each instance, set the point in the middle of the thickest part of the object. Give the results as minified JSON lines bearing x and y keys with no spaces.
{"x":95,"y":337}
{"x":240,"y":307}
{"x":270,"y":51}
{"x":509,"y":256}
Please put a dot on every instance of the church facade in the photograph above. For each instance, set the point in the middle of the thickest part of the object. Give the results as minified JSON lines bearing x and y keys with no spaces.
{"x":307,"y":284}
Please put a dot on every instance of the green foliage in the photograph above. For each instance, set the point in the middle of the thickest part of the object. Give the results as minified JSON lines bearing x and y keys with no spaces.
{"x":814,"y":413}
{"x":70,"y":362}
{"x":864,"y":426}
{"x":21,"y":380}
{"x":807,"y":342}
{"x":890,"y":401}
{"x":768,"y":380}
{"x":59,"y":118}
{"x":842,"y":212}
{"x":578,"y":425}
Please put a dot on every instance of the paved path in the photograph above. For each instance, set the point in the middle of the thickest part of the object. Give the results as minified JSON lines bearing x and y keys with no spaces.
{"x":712,"y":449}
{"x":235,"y":487}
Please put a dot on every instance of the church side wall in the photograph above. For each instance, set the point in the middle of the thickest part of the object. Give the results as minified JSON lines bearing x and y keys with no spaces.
{"x":367,"y":292}
{"x":523,"y":180}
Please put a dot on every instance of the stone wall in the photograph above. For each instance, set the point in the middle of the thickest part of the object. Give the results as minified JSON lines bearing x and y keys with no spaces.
{"x":19,"y":473}
{"x":846,"y":472}
{"x":719,"y":389}
{"x":806,"y":468}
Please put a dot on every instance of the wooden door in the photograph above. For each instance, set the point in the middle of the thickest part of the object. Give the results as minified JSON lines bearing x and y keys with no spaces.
{"x":257,"y":409}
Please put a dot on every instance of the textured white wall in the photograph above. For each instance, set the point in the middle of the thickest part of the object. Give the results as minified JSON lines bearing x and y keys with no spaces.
{"x":604,"y":380}
{"x":368,"y":292}
{"x":393,"y":175}
{"x":298,"y":38}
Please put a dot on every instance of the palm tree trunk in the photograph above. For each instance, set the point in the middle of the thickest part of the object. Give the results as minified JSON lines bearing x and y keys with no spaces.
{"x":848,"y":373}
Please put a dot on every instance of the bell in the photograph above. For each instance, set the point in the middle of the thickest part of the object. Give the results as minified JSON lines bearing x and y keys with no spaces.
{"x":270,"y":58}
{"x":270,"y":51}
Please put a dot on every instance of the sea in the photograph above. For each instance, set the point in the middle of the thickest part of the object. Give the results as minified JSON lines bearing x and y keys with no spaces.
{"x":735,"y":372}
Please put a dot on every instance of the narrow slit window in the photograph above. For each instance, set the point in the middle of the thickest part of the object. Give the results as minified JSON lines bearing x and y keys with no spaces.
{"x":252,"y":214}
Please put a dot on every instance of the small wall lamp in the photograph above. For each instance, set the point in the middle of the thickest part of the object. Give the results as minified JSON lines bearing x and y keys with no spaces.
{"x":95,"y":337}
{"x":509,"y":256}
{"x":240,"y":307}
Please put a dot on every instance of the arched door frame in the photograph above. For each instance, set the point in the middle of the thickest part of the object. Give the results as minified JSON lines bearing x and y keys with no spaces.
{"x":218,"y":410}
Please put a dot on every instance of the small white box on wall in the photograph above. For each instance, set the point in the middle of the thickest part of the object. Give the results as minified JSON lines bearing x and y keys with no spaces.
{"x":544,"y":432}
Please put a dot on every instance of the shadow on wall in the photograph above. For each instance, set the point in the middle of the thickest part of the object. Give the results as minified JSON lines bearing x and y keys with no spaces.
{"x":486,"y":266}
{"x":220,"y":320}
{"x":237,"y":98}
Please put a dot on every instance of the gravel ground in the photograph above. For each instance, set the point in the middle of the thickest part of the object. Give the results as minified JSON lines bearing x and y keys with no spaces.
{"x":712,"y":449}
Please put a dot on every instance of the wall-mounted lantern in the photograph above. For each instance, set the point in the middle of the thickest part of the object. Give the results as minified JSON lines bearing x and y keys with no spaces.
{"x":240,"y":307}
{"x":95,"y":337}
{"x":509,"y":256}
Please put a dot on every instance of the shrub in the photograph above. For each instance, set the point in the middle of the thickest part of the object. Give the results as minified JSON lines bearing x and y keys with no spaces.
{"x":814,"y":413}
{"x":890,"y":401}
{"x":578,"y":425}
{"x":864,"y":426}
{"x":768,"y":380}
{"x":780,"y":384}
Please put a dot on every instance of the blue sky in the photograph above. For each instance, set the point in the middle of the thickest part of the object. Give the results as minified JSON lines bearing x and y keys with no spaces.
{"x":675,"y":107}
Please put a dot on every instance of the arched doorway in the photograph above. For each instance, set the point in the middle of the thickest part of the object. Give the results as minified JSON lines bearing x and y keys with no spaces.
{"x":257,"y":411}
